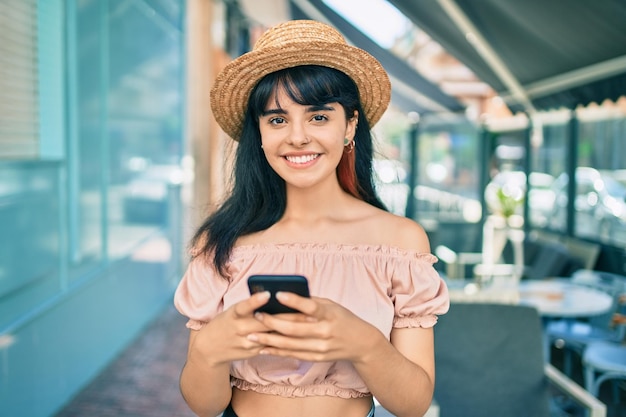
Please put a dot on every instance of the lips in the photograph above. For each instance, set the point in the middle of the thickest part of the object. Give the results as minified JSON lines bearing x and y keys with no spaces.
{"x":301,"y":159}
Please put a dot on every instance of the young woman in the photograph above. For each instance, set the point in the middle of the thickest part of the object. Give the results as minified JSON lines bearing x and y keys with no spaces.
{"x":302,"y":202}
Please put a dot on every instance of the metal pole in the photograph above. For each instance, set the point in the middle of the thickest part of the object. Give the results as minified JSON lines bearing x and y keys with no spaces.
{"x":174,"y":230}
{"x":571,"y":163}
{"x":413,"y":161}
{"x":527,"y":169}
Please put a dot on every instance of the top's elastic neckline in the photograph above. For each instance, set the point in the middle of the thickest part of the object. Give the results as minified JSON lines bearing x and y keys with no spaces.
{"x":330,"y":247}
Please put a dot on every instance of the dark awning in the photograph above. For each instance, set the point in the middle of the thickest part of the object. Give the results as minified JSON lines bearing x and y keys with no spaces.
{"x":410,"y":90}
{"x":537,"y":54}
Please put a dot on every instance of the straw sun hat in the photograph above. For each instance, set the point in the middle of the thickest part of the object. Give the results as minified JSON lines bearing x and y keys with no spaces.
{"x":290,"y":44}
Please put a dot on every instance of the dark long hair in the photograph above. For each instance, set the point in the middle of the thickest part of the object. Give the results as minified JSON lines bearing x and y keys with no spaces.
{"x":258,"y":197}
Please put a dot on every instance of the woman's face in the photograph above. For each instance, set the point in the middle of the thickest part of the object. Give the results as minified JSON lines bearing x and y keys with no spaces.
{"x":304,"y":144}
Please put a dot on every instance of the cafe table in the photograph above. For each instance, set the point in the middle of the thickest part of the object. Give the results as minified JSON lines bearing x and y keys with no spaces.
{"x":553,"y":298}
{"x":560,"y":298}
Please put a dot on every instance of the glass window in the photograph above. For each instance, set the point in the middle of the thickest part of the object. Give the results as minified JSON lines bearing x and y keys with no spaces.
{"x":547,"y":198}
{"x":144,"y":121}
{"x":447,"y":191}
{"x":86,"y":149}
{"x":506,"y":156}
{"x":126,"y":113}
{"x":31,"y":165}
{"x":600,"y":201}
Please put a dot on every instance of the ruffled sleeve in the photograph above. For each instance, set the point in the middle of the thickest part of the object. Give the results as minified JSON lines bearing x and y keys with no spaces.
{"x":418,"y":292}
{"x":200,"y":294}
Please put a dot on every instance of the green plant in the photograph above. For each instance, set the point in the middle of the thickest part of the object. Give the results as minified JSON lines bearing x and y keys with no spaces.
{"x":508,"y":204}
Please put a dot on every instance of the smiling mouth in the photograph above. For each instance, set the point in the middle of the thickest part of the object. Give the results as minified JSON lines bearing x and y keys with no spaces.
{"x":302,"y":159}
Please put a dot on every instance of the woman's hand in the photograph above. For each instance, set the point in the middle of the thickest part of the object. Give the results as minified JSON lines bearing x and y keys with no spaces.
{"x":325,"y":331}
{"x":225,"y":338}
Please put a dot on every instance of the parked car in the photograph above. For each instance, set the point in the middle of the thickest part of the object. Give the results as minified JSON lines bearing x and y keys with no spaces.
{"x":600,"y":203}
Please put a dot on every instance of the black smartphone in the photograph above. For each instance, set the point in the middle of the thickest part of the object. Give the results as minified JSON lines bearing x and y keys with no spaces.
{"x":296,"y":284}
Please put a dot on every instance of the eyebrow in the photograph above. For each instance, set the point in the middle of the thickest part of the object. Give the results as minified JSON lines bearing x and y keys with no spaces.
{"x":324,"y":107}
{"x":273,"y":111}
{"x":309,"y":109}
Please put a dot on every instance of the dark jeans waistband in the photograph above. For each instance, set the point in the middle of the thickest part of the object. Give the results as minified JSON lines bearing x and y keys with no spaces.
{"x":229,"y":412}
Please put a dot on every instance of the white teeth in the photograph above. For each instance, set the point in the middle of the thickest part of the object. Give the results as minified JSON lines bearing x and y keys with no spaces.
{"x":303,"y":159}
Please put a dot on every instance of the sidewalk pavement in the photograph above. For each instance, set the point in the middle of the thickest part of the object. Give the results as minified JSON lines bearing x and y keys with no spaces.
{"x":143,"y":380}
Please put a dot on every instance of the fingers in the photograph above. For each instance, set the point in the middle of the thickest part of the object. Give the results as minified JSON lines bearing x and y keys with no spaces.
{"x":292,"y":325}
{"x":311,"y":323}
{"x":305,"y":305}
{"x":308,"y":349}
{"x":285,"y":334}
{"x":247,"y":307}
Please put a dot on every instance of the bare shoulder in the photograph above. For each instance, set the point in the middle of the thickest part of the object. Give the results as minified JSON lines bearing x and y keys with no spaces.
{"x":402,"y":232}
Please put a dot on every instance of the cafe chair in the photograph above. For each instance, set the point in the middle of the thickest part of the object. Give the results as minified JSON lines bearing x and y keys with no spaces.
{"x":604,"y":361}
{"x":573,"y":335}
{"x":489,"y":362}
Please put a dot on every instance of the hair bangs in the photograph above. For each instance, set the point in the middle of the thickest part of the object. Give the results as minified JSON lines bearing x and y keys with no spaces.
{"x":306,"y":85}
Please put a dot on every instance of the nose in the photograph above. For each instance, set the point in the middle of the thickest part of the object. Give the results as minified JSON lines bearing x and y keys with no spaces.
{"x":298,"y":136}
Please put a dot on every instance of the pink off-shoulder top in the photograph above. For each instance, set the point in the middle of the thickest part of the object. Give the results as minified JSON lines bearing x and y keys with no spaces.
{"x":385,"y":286}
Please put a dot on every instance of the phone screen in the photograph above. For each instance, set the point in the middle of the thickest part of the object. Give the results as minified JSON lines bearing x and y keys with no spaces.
{"x":296,"y":284}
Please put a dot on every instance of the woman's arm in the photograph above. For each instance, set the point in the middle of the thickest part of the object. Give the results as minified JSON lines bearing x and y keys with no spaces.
{"x":401,"y":374}
{"x":205,"y":386}
{"x":205,"y":379}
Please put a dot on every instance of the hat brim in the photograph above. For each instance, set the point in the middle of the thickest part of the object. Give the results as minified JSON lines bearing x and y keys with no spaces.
{"x":232,"y":88}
